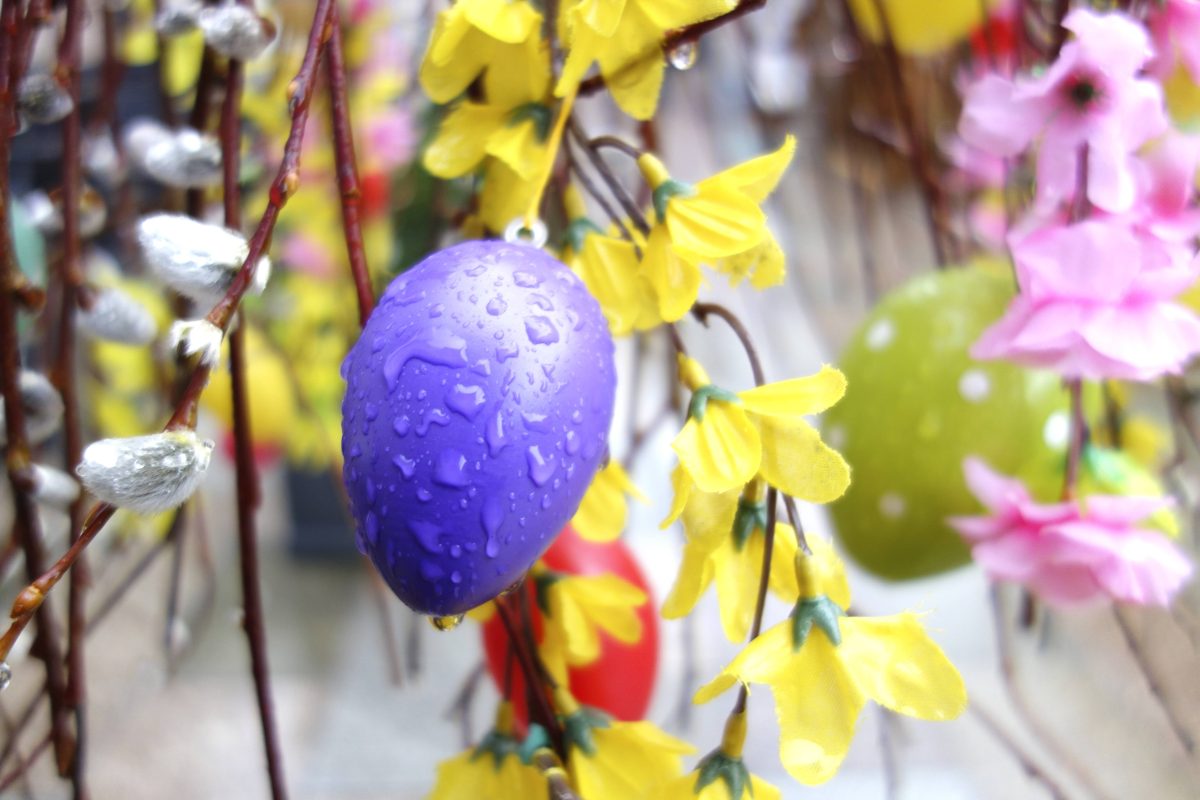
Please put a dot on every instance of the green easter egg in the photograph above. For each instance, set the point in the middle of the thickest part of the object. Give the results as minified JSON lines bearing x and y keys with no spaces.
{"x":917,"y":405}
{"x":30,"y":248}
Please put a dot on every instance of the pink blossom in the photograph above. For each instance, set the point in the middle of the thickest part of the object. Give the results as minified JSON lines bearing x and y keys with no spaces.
{"x":1068,"y":553}
{"x":1095,"y":303}
{"x":1165,"y":176}
{"x":303,"y":253}
{"x":390,"y":138}
{"x":1091,"y":100}
{"x":1175,"y":28}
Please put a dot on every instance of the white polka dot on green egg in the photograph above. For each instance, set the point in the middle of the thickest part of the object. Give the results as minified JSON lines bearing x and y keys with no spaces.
{"x":917,"y":404}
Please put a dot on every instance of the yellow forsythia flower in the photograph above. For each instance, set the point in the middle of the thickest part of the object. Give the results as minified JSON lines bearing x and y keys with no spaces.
{"x":612,"y":760}
{"x":718,"y":221}
{"x":724,"y":545}
{"x":625,"y":36}
{"x":921,"y":27}
{"x":729,"y":438}
{"x":271,"y":393}
{"x":601,"y":515}
{"x":721,"y":775}
{"x":576,"y":608}
{"x":823,"y":666}
{"x":609,"y":267}
{"x":493,"y":769}
{"x":473,"y":35}
{"x":511,"y":126}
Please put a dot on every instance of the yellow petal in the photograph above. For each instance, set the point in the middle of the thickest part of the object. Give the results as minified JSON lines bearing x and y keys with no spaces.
{"x":828,"y":571}
{"x":895,"y":663}
{"x":601,"y":16}
{"x":461,"y":777}
{"x":920,"y":27}
{"x":761,"y":790}
{"x":632,"y":64}
{"x":601,"y":515}
{"x":508,"y":21}
{"x":451,"y":30}
{"x":681,"y":484}
{"x":629,"y":758}
{"x":783,"y":569}
{"x":504,"y":196}
{"x":723,"y":451}
{"x":764,"y":265}
{"x":716,"y":222}
{"x":444,"y":78}
{"x":758,"y":177}
{"x":797,"y":462}
{"x":760,"y":661}
{"x":675,"y":279}
{"x":696,"y":572}
{"x":612,"y":604}
{"x":520,"y":73}
{"x":796,"y":397}
{"x":518,"y":146}
{"x":583,"y":44}
{"x":462,"y":139}
{"x":738,"y":573}
{"x":609,"y":268}
{"x":708,"y":517}
{"x":818,"y":706}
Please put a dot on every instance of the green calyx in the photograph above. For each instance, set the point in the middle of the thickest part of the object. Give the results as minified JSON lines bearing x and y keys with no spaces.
{"x":578,"y":727}
{"x":541,"y":588}
{"x":665,"y":191}
{"x":498,"y":745}
{"x":540,"y":114}
{"x":750,"y":515}
{"x":819,"y":611}
{"x":578,"y":230}
{"x":535,"y":740}
{"x":700,"y":398}
{"x":727,"y":768}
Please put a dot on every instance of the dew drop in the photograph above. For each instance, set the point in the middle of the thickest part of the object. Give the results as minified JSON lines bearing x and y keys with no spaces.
{"x":436,"y":416}
{"x":427,"y":534}
{"x":683,"y":56}
{"x":495,"y":434}
{"x":447,"y":623}
{"x":466,"y":400}
{"x":401,"y":424}
{"x":540,"y":330}
{"x":449,"y":469}
{"x":406,"y":465}
{"x":541,"y":468}
{"x":456,"y":577}
{"x":424,"y":495}
{"x":538,"y":423}
{"x":371,"y":527}
{"x":572,"y":443}
{"x":540,"y":301}
{"x":526,"y":280}
{"x":496,"y":306}
{"x":493,"y":517}
{"x":505,"y":353}
{"x":5,"y":675}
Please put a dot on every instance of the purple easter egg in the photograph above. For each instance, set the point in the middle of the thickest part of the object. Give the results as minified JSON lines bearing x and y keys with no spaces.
{"x":477,"y":408}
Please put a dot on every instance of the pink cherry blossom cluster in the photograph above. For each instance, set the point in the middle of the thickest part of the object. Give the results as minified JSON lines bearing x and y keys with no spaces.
{"x":1107,"y":245}
{"x":1070,"y":553}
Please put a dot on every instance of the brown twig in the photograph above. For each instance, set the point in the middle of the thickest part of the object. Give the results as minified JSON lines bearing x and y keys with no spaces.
{"x":922,"y":162}
{"x":760,"y":602}
{"x":70,"y":280}
{"x":1028,"y":764}
{"x":540,"y":709}
{"x":688,"y":34}
{"x":1152,"y":683}
{"x":702,"y":311}
{"x":610,"y":180}
{"x":347,"y":172}
{"x":248,"y":484}
{"x":26,"y":525}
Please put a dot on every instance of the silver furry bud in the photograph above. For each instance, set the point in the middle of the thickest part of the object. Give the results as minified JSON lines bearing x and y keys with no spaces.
{"x":42,"y":405}
{"x":184,"y":159}
{"x":196,"y":259}
{"x":147,"y":474}
{"x":101,"y":159}
{"x":53,"y":487}
{"x":42,"y":100}
{"x":140,"y":135}
{"x":178,"y":17}
{"x":197,"y":337}
{"x":117,"y":317}
{"x":45,"y":211}
{"x":236,"y":31}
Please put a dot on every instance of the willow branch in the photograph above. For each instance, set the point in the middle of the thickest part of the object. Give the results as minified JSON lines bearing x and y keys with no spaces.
{"x":347,"y":172}
{"x":26,"y":525}
{"x":285,"y":183}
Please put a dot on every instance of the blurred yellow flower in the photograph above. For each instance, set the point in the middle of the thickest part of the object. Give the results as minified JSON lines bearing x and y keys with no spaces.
{"x":473,"y":35}
{"x":601,"y":515}
{"x":625,"y":36}
{"x":576,"y":608}
{"x":729,"y":438}
{"x":822,"y":667}
{"x":921,"y":27}
{"x":493,"y":769}
{"x":720,"y":775}
{"x":612,"y":760}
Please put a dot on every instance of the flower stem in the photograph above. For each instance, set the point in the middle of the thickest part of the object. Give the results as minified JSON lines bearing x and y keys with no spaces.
{"x":606,"y":174}
{"x":1078,"y":436}
{"x":760,"y":602}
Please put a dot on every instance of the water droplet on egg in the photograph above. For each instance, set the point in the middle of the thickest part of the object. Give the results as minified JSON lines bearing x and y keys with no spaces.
{"x":449,"y":469}
{"x":541,"y":468}
{"x":447,"y":623}
{"x":526,"y":280}
{"x":496,"y":306}
{"x":466,"y":400}
{"x":540,"y":330}
{"x":406,"y":465}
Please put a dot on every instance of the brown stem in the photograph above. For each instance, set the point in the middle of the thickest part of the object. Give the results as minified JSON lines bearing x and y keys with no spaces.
{"x":26,"y":525}
{"x":688,"y":34}
{"x":23,"y":767}
{"x":1078,"y":437}
{"x":616,"y":143}
{"x":922,"y":162}
{"x":540,"y":709}
{"x":760,"y":602}
{"x":70,"y":279}
{"x":701,"y":312}
{"x":614,"y":186}
{"x":594,"y":192}
{"x":1006,"y":740}
{"x":248,"y":484}
{"x":347,"y":172}
{"x":1152,"y":683}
